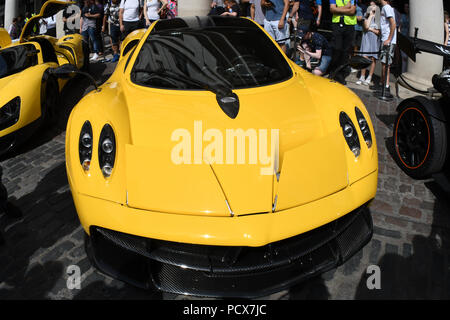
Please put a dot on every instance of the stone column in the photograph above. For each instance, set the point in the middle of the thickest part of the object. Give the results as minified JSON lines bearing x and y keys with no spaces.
{"x":188,"y":8}
{"x":428,"y":16}
{"x":11,"y":12}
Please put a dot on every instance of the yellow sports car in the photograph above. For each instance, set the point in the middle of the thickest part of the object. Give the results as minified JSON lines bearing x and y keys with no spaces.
{"x":29,"y":95}
{"x":210,"y":164}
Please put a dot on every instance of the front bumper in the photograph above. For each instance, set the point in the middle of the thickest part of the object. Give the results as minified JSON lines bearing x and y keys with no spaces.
{"x":228,"y":271}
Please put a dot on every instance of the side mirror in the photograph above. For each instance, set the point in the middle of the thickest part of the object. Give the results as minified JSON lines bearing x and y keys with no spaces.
{"x":359,"y":62}
{"x":68,"y":70}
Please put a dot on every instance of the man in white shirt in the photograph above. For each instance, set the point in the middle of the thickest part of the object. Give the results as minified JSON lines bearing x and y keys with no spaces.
{"x":388,"y":40}
{"x":51,"y":26}
{"x":129,"y":16}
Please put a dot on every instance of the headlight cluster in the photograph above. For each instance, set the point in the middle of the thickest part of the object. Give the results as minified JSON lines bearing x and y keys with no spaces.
{"x":85,"y":146}
{"x":9,"y":113}
{"x":350,"y":134}
{"x":364,"y":126}
{"x":106,"y":148}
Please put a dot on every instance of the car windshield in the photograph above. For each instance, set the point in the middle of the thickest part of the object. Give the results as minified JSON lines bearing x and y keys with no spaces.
{"x":17,"y":59}
{"x":210,"y":57}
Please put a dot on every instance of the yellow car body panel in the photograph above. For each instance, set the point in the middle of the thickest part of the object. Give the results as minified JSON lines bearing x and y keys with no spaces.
{"x":136,"y":200}
{"x":5,"y":39}
{"x":250,"y":230}
{"x":28,"y":84}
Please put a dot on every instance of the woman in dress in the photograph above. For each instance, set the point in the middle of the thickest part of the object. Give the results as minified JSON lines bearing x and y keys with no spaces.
{"x":370,"y":41}
{"x":152,"y":9}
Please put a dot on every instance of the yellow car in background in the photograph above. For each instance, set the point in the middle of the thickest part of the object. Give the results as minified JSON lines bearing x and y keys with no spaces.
{"x":29,"y":94}
{"x":210,"y":164}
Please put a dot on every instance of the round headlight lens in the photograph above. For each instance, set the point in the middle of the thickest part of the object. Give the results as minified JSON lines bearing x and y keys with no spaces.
{"x":356,"y":151}
{"x":85,"y":146}
{"x":86,"y":140}
{"x":107,"y":150}
{"x":350,"y":134}
{"x":364,"y":126}
{"x":107,"y":146}
{"x":348,"y":131}
{"x":107,"y":170}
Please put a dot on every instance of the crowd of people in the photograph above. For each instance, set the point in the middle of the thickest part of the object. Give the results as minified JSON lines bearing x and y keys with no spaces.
{"x":117,"y":18}
{"x":367,"y":27}
{"x":364,"y":27}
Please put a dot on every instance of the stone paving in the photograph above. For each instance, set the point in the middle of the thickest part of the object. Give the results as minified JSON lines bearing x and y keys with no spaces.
{"x":44,"y":237}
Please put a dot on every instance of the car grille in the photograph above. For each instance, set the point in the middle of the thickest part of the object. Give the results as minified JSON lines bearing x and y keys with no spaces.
{"x":232,"y":271}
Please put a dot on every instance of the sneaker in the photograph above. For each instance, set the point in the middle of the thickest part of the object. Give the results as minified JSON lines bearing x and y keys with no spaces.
{"x":367,"y":82}
{"x":94,"y":57}
{"x":360,"y":81}
{"x":115,"y":58}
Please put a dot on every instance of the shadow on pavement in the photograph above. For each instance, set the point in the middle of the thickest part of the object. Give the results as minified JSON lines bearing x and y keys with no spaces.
{"x":424,"y":273}
{"x":48,"y":214}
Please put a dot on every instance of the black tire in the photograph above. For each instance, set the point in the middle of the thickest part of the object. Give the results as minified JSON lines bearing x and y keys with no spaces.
{"x":86,"y":61}
{"x":51,"y":101}
{"x":420,"y":138}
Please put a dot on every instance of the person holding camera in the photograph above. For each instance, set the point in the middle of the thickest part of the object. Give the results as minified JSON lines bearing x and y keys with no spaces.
{"x":275,"y":23}
{"x":313,"y":45}
{"x":370,"y":41}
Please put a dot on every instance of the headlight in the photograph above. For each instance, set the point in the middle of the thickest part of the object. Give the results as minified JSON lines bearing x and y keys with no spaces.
{"x":364,"y":126}
{"x":9,"y":113}
{"x":350,"y":134}
{"x":107,"y":150}
{"x":85,"y":146}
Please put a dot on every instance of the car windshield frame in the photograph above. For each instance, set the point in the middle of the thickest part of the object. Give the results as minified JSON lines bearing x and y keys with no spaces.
{"x":203,"y":49}
{"x":24,"y":56}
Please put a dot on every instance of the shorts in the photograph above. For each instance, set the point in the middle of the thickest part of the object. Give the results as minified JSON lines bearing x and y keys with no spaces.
{"x":324,"y":63}
{"x":271,"y":28}
{"x":129,"y":27}
{"x":387,"y":54}
{"x":114,"y":32}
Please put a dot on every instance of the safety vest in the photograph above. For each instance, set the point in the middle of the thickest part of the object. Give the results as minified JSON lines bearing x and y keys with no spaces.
{"x":348,"y":20}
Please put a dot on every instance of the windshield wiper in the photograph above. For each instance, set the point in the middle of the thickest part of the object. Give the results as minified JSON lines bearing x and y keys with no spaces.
{"x":226,"y":98}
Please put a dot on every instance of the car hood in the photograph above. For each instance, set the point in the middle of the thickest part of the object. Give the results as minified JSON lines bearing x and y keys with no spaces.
{"x":161,"y":120}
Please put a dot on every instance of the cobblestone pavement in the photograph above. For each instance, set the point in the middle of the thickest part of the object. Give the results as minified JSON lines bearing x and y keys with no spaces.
{"x":410,"y":242}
